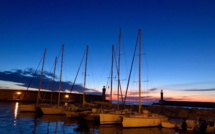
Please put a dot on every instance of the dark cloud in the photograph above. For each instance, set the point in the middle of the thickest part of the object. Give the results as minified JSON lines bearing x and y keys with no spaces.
{"x":192,"y":84}
{"x":153,"y":89}
{"x":172,"y":99}
{"x":200,"y":90}
{"x":143,"y":92}
{"x":30,"y":78}
{"x":143,"y":98}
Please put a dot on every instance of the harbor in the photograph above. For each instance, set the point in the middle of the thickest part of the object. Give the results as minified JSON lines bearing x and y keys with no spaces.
{"x":15,"y":122}
{"x":170,"y":109}
{"x":11,"y":100}
{"x":107,"y":67}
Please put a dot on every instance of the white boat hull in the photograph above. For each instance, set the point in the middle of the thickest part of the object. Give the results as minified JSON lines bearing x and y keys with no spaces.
{"x":110,"y":118}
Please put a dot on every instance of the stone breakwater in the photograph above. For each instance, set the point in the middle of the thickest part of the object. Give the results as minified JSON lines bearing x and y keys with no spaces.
{"x":179,"y":112}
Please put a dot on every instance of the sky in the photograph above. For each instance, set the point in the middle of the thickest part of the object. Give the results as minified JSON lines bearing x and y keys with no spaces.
{"x":177,"y":38}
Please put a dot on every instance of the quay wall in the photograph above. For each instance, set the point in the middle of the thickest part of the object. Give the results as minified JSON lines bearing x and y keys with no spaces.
{"x":31,"y":96}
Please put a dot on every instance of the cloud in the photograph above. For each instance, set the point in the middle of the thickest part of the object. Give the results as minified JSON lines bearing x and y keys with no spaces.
{"x":31,"y":78}
{"x":143,"y":92}
{"x":153,"y":89}
{"x":143,"y":98}
{"x":200,"y":90}
{"x":189,"y":85}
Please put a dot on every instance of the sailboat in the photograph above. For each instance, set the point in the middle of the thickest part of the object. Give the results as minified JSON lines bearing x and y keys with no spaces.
{"x":74,"y":111}
{"x":95,"y":114}
{"x":34,"y":107}
{"x":114,"y":116}
{"x":52,"y":109}
{"x":143,"y":118}
{"x":111,"y":117}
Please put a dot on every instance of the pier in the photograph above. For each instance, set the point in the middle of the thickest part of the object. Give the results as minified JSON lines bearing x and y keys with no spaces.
{"x":31,"y":96}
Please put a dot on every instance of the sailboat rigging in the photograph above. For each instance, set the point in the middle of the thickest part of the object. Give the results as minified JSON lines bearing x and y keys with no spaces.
{"x":41,"y":77}
{"x":74,"y":111}
{"x":60,"y":82}
{"x":85,"y":75}
{"x":53,"y":79}
{"x":77,"y":74}
{"x":111,"y":82}
{"x":51,"y":109}
{"x":129,"y":77}
{"x":144,"y":119}
{"x":34,"y":107}
{"x":114,"y":116}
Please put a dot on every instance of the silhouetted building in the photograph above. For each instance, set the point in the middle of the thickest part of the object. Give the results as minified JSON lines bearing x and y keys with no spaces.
{"x":161,"y":99}
{"x":103,"y":93}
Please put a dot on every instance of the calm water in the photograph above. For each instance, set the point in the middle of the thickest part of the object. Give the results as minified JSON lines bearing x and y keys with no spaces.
{"x":14,"y":122}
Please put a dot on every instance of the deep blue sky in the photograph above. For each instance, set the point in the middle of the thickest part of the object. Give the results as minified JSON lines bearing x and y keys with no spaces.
{"x":177,"y":35}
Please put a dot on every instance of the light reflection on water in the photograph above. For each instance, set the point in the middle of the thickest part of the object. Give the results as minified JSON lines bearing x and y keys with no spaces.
{"x":14,"y":122}
{"x":16,"y":110}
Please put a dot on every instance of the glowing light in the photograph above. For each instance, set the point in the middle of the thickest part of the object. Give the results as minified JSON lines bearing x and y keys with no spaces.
{"x":18,"y":93}
{"x":66,"y":96}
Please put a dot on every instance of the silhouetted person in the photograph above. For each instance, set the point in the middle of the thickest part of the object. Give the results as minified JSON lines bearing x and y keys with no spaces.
{"x":203,"y":127}
{"x":184,"y":126}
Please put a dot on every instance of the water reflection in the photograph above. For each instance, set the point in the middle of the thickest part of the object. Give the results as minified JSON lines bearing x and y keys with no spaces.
{"x":153,"y":130}
{"x":12,"y":121}
{"x":118,"y":129}
{"x":110,"y":129}
{"x":16,"y":110}
{"x":48,"y":124}
{"x":27,"y":115}
{"x":86,"y":127}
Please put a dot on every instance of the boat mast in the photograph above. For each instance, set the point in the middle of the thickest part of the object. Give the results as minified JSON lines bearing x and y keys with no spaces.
{"x":111,"y":82}
{"x":129,"y":77}
{"x":41,"y":77}
{"x":118,"y":70}
{"x":53,"y":79}
{"x":60,"y":86}
{"x":140,"y":53}
{"x":85,"y":74}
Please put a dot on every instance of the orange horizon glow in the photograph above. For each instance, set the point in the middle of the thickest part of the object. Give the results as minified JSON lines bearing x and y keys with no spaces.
{"x":169,"y":96}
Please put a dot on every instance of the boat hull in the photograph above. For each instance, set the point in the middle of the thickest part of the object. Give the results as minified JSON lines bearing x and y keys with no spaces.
{"x":167,"y":124}
{"x":76,"y":114}
{"x":109,"y":118}
{"x":140,"y":121}
{"x":70,"y":114}
{"x":53,"y":110}
{"x":28,"y":108}
{"x":92,"y":117}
